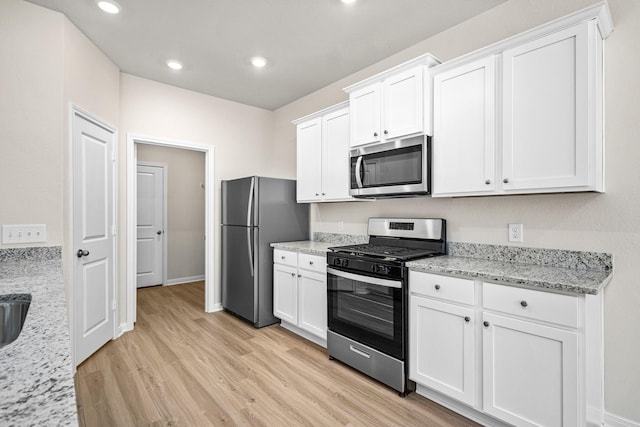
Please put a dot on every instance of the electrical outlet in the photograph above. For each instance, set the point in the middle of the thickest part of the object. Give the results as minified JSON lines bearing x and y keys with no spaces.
{"x":24,"y":233}
{"x":516,"y":232}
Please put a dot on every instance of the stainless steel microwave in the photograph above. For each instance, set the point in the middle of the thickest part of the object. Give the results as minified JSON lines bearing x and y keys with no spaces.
{"x":399,"y":168}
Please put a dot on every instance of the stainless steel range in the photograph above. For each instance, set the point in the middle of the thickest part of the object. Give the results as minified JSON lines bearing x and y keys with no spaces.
{"x":367,"y":296}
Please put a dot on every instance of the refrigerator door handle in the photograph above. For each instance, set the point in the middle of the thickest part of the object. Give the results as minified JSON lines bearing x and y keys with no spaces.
{"x":249,"y":209}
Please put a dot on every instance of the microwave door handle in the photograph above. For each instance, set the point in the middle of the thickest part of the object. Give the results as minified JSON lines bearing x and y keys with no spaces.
{"x":359,"y":172}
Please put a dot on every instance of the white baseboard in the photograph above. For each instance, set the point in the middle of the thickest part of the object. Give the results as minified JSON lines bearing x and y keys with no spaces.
{"x":611,"y":420}
{"x":124,"y":327}
{"x":182,"y":280}
{"x":216,"y":307}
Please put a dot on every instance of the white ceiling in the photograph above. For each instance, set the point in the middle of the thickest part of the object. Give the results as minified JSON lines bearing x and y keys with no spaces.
{"x":308,"y":43}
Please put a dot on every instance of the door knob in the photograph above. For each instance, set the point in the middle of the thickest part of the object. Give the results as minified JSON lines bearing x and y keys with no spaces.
{"x":159,"y":232}
{"x":82,"y":253}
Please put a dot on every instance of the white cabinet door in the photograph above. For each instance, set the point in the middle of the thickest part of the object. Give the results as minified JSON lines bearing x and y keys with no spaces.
{"x":464,"y":136}
{"x":403,"y":104}
{"x":285,"y":293}
{"x":309,"y":146}
{"x":530,"y":372}
{"x":312,"y":302}
{"x":335,"y":155}
{"x":442,"y":347}
{"x":547,"y":102}
{"x":364,"y":110}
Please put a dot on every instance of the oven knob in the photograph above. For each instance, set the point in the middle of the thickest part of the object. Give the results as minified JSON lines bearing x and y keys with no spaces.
{"x":345,"y":262}
{"x":337,"y":261}
{"x":382,"y":269}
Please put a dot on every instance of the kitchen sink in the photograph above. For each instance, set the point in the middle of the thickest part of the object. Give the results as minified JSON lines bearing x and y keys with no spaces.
{"x":13,"y":312}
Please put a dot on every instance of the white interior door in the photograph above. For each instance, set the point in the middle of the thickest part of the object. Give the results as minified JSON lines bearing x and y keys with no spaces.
{"x":150,"y":225}
{"x":93,"y":235}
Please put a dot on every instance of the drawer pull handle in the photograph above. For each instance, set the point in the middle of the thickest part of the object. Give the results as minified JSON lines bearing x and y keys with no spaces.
{"x":523,"y":303}
{"x":486,"y":324}
{"x":467,"y":319}
{"x":437,"y":287}
{"x":360,"y":352}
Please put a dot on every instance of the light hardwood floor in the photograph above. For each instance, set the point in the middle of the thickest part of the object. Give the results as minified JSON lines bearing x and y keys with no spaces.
{"x":183,"y":367}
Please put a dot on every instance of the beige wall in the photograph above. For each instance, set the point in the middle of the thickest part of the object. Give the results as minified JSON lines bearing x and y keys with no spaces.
{"x":240,"y":135}
{"x":31,"y":128}
{"x":185,"y":208}
{"x":607,"y":222}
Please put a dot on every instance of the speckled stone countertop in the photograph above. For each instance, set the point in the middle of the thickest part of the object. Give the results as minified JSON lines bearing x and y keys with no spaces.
{"x":36,"y":377}
{"x":321,"y":243}
{"x":543,"y":269}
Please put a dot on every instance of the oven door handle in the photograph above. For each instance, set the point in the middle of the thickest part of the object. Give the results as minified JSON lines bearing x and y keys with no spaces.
{"x":366,"y":279}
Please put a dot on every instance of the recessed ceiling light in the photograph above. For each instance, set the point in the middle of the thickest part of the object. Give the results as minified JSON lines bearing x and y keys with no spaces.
{"x":109,"y":6}
{"x":174,"y":65}
{"x":348,"y":1}
{"x":258,"y":61}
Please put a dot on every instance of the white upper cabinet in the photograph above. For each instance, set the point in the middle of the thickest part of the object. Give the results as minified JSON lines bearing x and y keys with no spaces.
{"x":549,"y":108}
{"x":309,"y":144}
{"x":464,"y":136}
{"x":392,"y":104}
{"x":533,"y":127}
{"x":365,"y":107}
{"x":323,"y":155}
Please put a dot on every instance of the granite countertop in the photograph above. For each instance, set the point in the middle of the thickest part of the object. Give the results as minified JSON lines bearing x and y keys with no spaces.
{"x":543,"y":277}
{"x":36,"y":376}
{"x":305,"y":246}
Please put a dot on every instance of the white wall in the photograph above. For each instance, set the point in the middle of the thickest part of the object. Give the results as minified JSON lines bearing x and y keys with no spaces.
{"x":607,"y":222}
{"x":185,"y":208}
{"x":241,"y":136}
{"x":31,"y":128}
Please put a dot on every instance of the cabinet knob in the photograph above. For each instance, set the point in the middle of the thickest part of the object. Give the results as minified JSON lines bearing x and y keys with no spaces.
{"x":467,"y":319}
{"x":324,"y":194}
{"x":437,"y":287}
{"x":486,"y":324}
{"x":523,"y":303}
{"x":375,"y":134}
{"x":283,"y":257}
{"x":386,"y":132}
{"x":317,"y":194}
{"x":488,"y":182}
{"x":293,"y":274}
{"x":310,"y":262}
{"x":506,"y":180}
{"x":299,"y":275}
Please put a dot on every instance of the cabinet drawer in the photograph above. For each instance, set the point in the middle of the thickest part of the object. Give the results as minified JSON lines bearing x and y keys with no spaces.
{"x":443,"y":287}
{"x":285,"y":257}
{"x":312,"y":262}
{"x":538,"y":305}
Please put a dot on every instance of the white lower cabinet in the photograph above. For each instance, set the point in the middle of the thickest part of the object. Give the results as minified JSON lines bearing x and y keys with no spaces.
{"x":442,"y":347}
{"x":300,"y":294}
{"x":496,"y":352}
{"x":530,"y":372}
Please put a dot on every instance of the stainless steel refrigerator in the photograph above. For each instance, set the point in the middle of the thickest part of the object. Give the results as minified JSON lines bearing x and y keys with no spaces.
{"x":256,"y":212}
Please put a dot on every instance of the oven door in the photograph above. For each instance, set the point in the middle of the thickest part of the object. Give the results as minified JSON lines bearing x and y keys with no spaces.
{"x":391,"y":168}
{"x":367,"y":309}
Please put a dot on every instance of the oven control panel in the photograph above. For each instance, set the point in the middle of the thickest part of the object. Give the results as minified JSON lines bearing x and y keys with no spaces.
{"x":380,"y":268}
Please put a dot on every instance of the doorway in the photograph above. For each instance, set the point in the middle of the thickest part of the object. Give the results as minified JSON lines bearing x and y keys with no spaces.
{"x":133,"y":141}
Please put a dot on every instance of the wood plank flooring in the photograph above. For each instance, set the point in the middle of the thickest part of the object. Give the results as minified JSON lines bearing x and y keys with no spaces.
{"x":184,"y":367}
